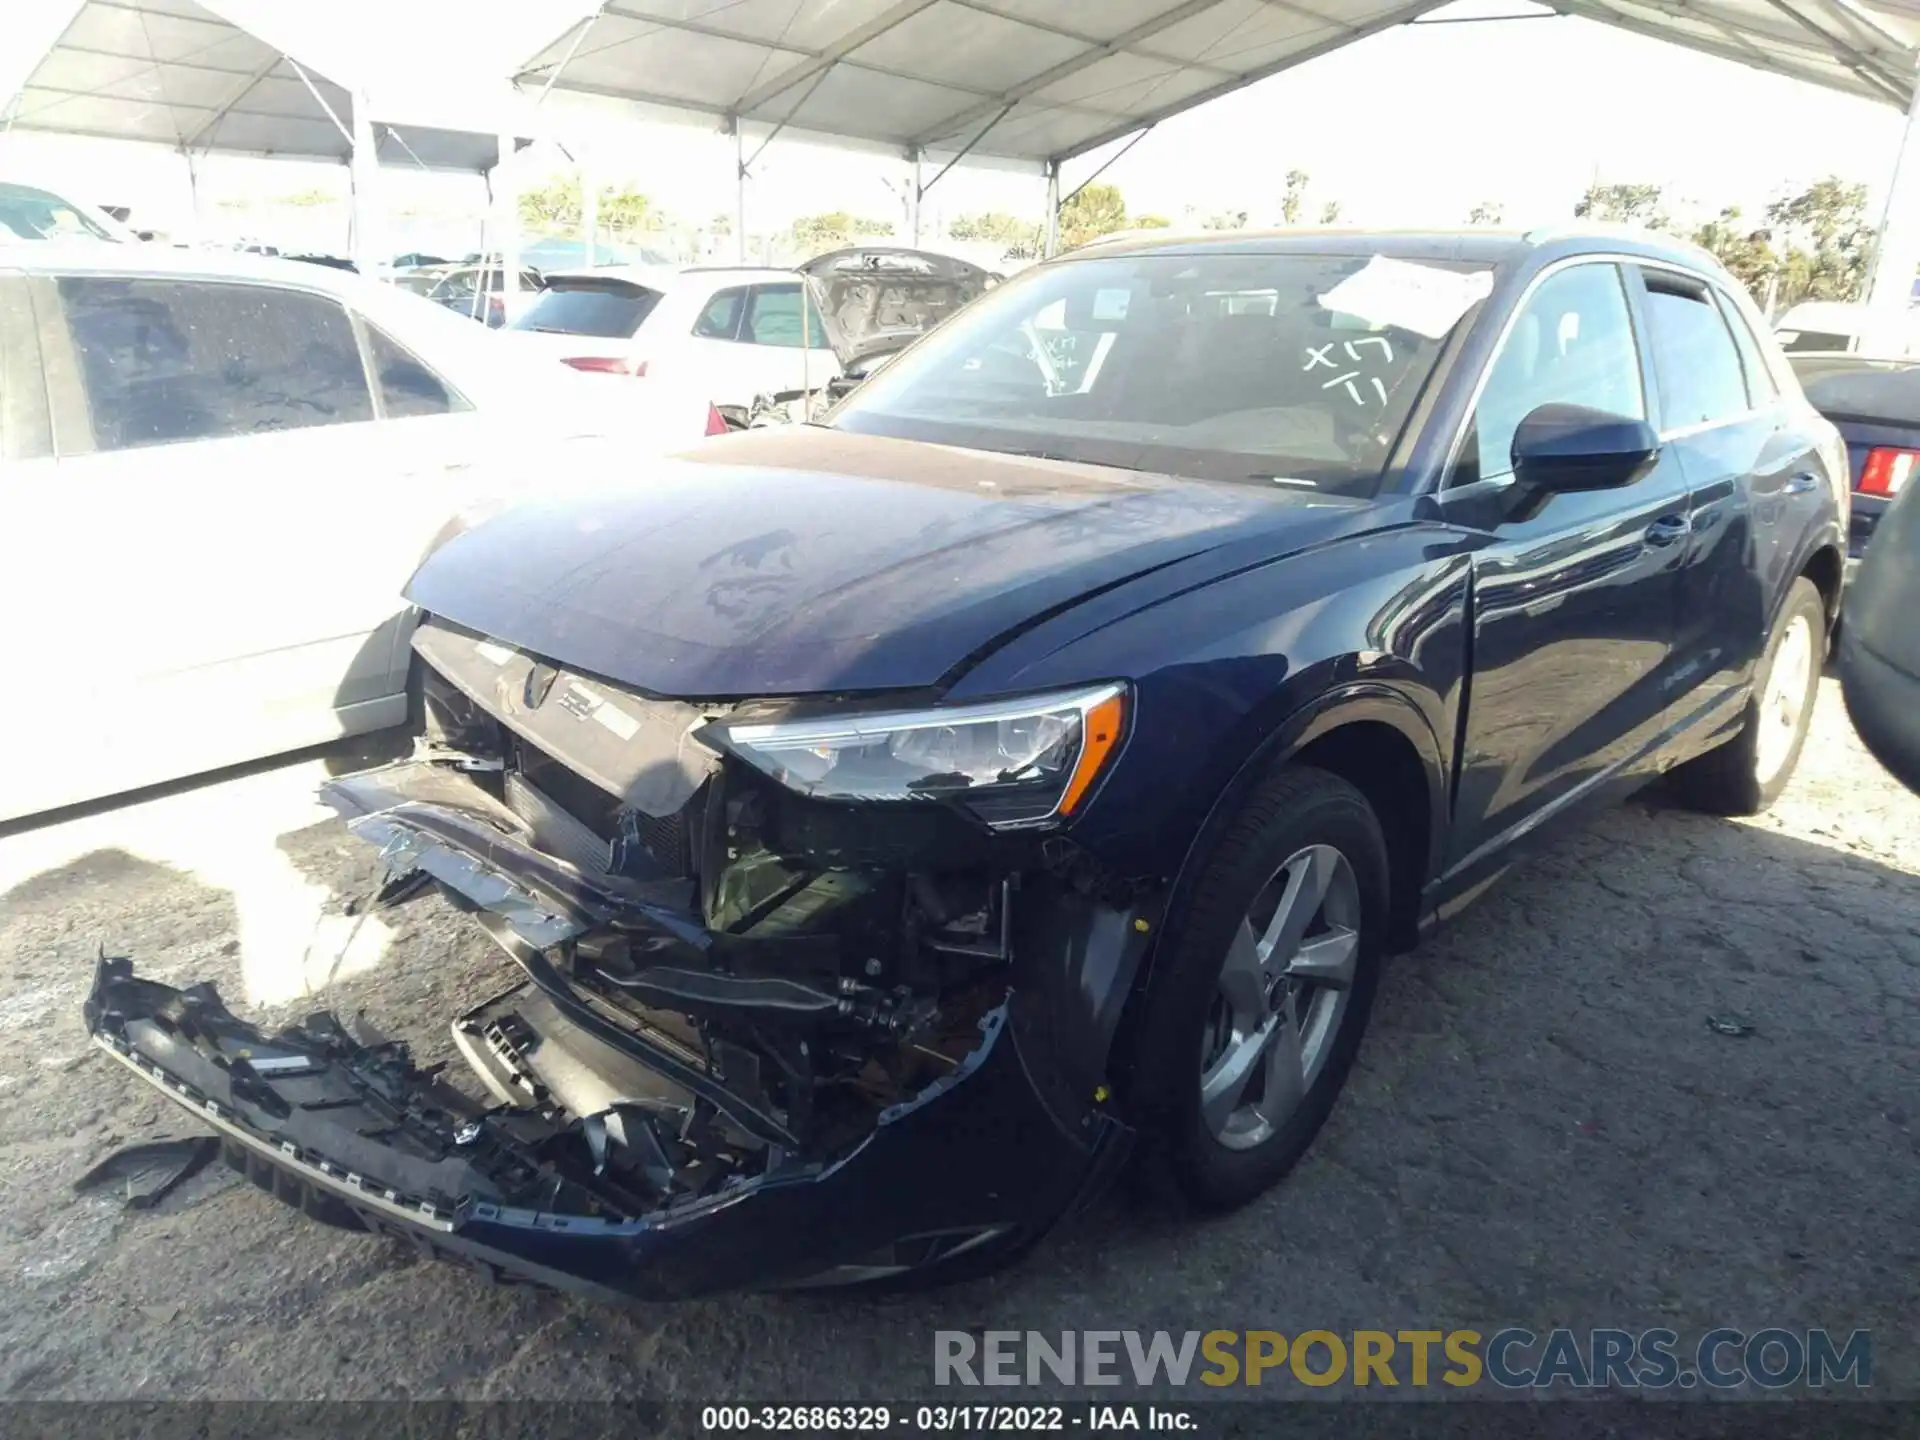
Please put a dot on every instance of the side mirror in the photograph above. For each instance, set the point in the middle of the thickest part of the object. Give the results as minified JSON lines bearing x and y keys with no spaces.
{"x":1571,"y":447}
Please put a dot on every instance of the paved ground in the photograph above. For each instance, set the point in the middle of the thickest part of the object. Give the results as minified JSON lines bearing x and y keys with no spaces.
{"x":1543,"y":1128}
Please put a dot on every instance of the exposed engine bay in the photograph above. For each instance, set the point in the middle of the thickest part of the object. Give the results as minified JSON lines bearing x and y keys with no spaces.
{"x":713,"y":987}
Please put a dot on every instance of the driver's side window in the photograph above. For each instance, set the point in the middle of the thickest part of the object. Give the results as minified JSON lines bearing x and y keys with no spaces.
{"x":1571,"y":343}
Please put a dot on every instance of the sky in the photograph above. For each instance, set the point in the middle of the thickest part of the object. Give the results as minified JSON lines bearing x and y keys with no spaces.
{"x":1410,"y":127}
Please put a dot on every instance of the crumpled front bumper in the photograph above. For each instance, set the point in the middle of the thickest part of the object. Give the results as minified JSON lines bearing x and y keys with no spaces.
{"x":353,"y":1134}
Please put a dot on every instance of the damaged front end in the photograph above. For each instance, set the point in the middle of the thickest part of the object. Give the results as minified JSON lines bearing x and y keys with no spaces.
{"x":752,"y":1033}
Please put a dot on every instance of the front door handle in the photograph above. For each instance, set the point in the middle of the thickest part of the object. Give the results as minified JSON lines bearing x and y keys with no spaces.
{"x":1667,"y":529}
{"x":1800,"y":484}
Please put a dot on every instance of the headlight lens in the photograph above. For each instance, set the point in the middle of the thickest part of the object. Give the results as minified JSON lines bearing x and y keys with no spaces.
{"x":1015,"y":762}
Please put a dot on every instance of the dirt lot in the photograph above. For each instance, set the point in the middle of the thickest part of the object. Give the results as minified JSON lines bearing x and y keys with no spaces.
{"x":1543,"y":1129}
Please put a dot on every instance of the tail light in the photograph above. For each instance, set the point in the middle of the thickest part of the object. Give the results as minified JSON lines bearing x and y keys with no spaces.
{"x":716,"y":422}
{"x":606,"y":364}
{"x":1886,"y":471}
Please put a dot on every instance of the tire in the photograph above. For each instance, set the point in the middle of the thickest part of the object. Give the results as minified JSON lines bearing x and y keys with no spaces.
{"x":1746,"y":774}
{"x":1210,"y":1152}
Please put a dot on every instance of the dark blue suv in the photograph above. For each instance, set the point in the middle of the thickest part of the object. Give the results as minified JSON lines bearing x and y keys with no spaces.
{"x":889,"y":824}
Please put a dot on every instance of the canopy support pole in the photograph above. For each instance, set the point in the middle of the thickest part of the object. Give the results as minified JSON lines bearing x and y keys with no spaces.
{"x":364,"y":171}
{"x":918,"y":195}
{"x":506,"y":191}
{"x":1050,"y":232}
{"x":590,"y":211}
{"x":739,"y":193}
{"x":1896,"y":249}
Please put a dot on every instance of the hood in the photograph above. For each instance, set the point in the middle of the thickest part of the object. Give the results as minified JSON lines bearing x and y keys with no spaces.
{"x":798,"y":560}
{"x":878,"y":299}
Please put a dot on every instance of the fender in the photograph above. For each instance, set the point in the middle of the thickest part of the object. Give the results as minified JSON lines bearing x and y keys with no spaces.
{"x":1348,"y":703}
{"x":1824,"y":536}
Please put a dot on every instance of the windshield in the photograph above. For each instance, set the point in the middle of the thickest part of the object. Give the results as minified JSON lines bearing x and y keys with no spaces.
{"x":30,"y":214}
{"x":1229,"y":367}
{"x":609,"y":309}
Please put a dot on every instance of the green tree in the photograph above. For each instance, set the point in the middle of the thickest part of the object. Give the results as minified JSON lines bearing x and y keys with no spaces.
{"x":1094,"y":210}
{"x":1152,"y":222}
{"x":1824,"y":240}
{"x":1747,"y":252}
{"x":555,"y":209}
{"x":721,"y":224}
{"x":818,"y":234}
{"x":1225,"y":220}
{"x":1487,"y":212}
{"x":1624,"y":205}
{"x":1330,"y":213}
{"x":995,"y":226}
{"x":1293,"y":197}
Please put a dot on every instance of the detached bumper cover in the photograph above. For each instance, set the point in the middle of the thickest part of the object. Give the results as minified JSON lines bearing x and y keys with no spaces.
{"x":356,"y":1135}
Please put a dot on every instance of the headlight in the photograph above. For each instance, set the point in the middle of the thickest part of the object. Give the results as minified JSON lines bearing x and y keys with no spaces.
{"x":1014,"y":762}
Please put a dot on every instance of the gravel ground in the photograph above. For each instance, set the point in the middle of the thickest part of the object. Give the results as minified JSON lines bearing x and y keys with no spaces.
{"x":1543,"y":1128}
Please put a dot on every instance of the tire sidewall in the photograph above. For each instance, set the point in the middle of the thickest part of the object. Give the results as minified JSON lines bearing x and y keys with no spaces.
{"x":1802,"y":599}
{"x":1166,"y":1077}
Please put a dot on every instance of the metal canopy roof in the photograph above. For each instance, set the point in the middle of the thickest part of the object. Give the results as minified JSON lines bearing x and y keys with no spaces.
{"x":178,"y":73}
{"x":1044,"y":80}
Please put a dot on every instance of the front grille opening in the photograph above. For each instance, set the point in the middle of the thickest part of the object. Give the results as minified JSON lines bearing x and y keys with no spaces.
{"x":637,"y":845}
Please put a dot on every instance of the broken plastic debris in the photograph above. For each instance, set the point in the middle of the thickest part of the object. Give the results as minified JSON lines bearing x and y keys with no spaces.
{"x":1425,"y":299}
{"x":152,"y":1170}
{"x":1728,"y":1025}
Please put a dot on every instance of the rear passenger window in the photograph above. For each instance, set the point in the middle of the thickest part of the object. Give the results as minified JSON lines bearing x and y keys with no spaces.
{"x":773,"y":318}
{"x":169,"y":360}
{"x":721,"y":319}
{"x":407,"y":387}
{"x":1694,"y":359}
{"x":1761,"y":389}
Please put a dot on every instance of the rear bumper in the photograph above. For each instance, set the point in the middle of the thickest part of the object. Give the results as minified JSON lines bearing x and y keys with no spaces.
{"x":353,"y":1134}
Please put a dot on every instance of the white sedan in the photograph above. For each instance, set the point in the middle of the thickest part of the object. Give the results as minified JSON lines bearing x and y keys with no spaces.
{"x":216,"y":474}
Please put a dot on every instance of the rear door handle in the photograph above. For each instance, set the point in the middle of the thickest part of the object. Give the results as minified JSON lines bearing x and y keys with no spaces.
{"x":1800,"y":484}
{"x":1667,"y":529}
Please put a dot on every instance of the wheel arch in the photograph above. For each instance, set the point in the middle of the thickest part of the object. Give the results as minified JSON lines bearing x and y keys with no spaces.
{"x":1826,"y":567}
{"x":1378,"y":739}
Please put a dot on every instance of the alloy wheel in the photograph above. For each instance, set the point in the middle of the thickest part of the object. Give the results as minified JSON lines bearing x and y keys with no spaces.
{"x":1783,"y":703}
{"x":1282,"y":993}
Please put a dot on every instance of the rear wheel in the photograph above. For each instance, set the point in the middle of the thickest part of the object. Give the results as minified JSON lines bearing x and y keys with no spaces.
{"x":1252,"y":1022}
{"x":1746,"y":774}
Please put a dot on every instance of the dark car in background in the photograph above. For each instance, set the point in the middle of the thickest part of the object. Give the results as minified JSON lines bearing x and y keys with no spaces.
{"x":1875,"y":404}
{"x":889,"y":824}
{"x":1880,"y":645}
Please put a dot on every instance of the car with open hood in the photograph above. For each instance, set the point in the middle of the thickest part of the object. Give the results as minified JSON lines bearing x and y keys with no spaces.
{"x":890,"y":825}
{"x":873,"y":302}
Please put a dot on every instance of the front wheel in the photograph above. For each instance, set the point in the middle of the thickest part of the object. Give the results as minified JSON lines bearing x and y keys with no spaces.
{"x":1746,"y":774}
{"x":1252,"y":1021}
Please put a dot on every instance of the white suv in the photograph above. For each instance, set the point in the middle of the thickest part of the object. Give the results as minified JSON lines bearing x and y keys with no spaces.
{"x":730,"y":334}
